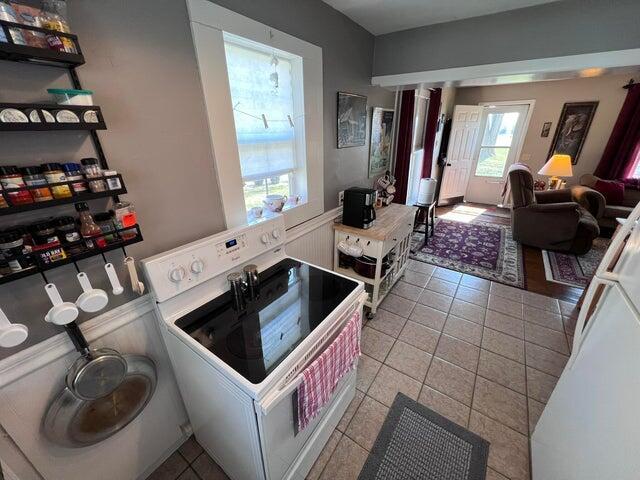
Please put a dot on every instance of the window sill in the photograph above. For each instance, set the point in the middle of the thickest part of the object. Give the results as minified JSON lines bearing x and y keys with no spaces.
{"x":267,"y":214}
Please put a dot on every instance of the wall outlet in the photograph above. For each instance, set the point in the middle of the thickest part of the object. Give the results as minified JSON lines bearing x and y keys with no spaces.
{"x":340,"y":198}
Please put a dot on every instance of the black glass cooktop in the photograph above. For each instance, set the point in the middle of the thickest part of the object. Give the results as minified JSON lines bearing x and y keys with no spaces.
{"x":294,"y":298}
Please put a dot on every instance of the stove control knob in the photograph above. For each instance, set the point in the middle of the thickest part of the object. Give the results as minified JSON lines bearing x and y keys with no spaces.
{"x":276,"y":233}
{"x":197,"y":266}
{"x":264,"y":238}
{"x":177,"y":274}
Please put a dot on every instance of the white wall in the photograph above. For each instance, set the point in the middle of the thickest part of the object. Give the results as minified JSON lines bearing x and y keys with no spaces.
{"x":550,"y":97}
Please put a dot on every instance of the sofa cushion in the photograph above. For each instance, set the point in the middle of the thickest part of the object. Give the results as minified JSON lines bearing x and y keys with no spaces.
{"x":613,"y":191}
{"x":617,"y":211}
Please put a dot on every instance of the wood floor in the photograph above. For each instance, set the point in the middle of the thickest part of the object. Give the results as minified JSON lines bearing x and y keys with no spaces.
{"x":533,"y":264}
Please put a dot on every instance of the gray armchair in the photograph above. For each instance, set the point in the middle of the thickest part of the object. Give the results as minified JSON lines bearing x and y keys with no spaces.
{"x":561,"y":220}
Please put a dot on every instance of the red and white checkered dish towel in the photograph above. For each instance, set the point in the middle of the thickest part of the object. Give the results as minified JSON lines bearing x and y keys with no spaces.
{"x":321,"y":377}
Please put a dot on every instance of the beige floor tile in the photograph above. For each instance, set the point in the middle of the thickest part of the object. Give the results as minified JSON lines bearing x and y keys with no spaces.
{"x":504,"y":323}
{"x":453,"y":381}
{"x":543,"y":317}
{"x":387,"y":322}
{"x":170,"y":469}
{"x":535,"y":410}
{"x":207,"y":469}
{"x":420,"y":267}
{"x":503,"y":344}
{"x":463,"y":329}
{"x":415,"y":278}
{"x":435,"y":300}
{"x":459,"y":353}
{"x":190,"y":449}
{"x":493,"y":475}
{"x":540,"y":301}
{"x":509,"y":451}
{"x":506,"y":291}
{"x":570,"y":342}
{"x":429,"y":317}
{"x":501,"y":404}
{"x":448,"y":275}
{"x":540,"y":385}
{"x":350,"y":412}
{"x":375,"y":344}
{"x":568,"y":309}
{"x":189,"y":474}
{"x":407,"y":290}
{"x":570,"y":324}
{"x":367,"y":370}
{"x":476,"y":283}
{"x":445,"y":406}
{"x":409,"y":360}
{"x":420,"y":336}
{"x":545,"y":337}
{"x":504,"y":371}
{"x":398,"y":305}
{"x":468,"y":311}
{"x":325,"y":455}
{"x":389,"y":382}
{"x":545,"y":360}
{"x":469,"y":295}
{"x":442,"y":286}
{"x":346,"y":462}
{"x":506,"y":306}
{"x":367,"y":422}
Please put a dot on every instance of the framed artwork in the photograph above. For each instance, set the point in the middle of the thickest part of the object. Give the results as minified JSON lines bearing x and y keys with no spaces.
{"x":546,"y":128}
{"x":381,"y":136}
{"x":352,"y":120}
{"x":572,"y":129}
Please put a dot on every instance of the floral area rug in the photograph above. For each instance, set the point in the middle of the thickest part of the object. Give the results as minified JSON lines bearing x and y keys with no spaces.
{"x":478,"y":248}
{"x":574,"y":270}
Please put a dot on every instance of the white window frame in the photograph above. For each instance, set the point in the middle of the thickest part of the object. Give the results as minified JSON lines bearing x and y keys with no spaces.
{"x":208,"y":22}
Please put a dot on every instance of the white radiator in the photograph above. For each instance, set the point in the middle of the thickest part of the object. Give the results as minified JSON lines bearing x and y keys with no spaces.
{"x":312,"y":241}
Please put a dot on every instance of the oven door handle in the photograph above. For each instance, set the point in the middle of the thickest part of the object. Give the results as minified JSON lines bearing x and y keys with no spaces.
{"x":272,"y":399}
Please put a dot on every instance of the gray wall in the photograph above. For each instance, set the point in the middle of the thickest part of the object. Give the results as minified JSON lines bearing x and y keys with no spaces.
{"x":141,"y":65}
{"x":556,"y":29}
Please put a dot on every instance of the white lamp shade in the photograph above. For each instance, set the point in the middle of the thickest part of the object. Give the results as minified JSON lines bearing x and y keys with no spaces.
{"x":558,"y":166}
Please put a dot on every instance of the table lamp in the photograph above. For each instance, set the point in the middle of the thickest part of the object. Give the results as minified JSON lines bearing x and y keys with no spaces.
{"x":557,"y":166}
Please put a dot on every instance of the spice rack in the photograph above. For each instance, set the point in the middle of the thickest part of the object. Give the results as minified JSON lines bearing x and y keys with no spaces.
{"x":38,"y":261}
{"x":52,"y":108}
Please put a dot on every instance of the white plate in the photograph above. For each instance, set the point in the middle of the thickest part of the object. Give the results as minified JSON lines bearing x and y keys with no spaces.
{"x":13,"y":115}
{"x":91,"y":116}
{"x":67,"y":116}
{"x":34,"y":117}
{"x":48,"y":117}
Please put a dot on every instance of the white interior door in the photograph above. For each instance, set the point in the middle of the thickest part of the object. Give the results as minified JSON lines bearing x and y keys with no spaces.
{"x":502,"y":130}
{"x":462,"y":142}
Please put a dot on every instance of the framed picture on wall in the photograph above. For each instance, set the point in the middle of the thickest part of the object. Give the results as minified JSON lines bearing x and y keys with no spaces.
{"x":352,"y":120}
{"x":572,"y":129}
{"x":381,"y":136}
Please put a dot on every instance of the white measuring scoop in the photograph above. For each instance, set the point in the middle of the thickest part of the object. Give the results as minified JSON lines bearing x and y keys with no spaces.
{"x":61,"y":313}
{"x":91,"y":299}
{"x":11,"y":334}
{"x":113,"y":278}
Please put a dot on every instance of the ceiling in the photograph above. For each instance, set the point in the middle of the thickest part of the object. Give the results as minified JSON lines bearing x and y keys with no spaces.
{"x":385,"y":16}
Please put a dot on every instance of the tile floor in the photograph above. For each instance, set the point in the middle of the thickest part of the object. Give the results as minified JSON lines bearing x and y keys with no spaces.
{"x":484,"y":355}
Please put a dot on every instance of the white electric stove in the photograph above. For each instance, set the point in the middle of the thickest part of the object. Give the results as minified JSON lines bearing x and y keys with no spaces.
{"x":238,"y":366}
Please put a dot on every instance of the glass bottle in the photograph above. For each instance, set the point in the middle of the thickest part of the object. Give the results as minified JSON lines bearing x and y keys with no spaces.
{"x":89,"y":230}
{"x":54,"y":17}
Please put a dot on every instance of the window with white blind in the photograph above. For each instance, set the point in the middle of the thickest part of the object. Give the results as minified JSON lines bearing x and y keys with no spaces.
{"x":264,"y":98}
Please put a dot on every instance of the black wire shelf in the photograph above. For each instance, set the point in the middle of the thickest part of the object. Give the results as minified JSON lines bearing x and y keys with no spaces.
{"x":42,"y":125}
{"x":15,"y":52}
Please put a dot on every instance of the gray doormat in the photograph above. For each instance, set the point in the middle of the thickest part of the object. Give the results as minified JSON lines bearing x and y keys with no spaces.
{"x":418,"y":443}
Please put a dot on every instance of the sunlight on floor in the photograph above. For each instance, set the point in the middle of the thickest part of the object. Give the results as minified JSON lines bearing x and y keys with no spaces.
{"x":463,"y":213}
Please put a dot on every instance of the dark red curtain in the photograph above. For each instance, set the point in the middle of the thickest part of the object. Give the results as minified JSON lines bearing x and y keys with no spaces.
{"x":430,"y":131}
{"x":404,"y":145}
{"x":623,"y":147}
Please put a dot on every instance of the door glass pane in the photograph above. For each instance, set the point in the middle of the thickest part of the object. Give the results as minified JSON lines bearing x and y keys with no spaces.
{"x":499,"y":129}
{"x":492,"y":161}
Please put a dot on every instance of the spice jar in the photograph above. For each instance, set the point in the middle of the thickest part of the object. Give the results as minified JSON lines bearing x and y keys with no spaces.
{"x":112,"y":179}
{"x":12,"y":251}
{"x":68,"y":233}
{"x":105,"y":221}
{"x":11,"y":180}
{"x":73,"y":172}
{"x":93,"y":172}
{"x":90,"y":231}
{"x":33,"y":177}
{"x":54,"y":174}
{"x":3,"y":201}
{"x":125,"y":217}
{"x":43,"y":233}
